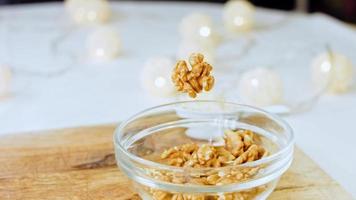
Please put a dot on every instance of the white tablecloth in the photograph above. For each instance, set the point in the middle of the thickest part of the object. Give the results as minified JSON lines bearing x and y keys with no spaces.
{"x":54,"y":92}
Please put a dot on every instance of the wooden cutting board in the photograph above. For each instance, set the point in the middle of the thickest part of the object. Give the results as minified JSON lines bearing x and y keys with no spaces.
{"x":79,"y":163}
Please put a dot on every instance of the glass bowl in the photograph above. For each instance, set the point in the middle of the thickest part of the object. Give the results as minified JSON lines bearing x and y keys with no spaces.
{"x":150,"y":132}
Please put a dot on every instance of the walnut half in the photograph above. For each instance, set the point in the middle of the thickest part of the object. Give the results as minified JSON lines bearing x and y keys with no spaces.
{"x":195,"y":79}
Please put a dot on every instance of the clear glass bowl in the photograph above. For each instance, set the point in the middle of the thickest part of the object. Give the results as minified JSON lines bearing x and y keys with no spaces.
{"x":151,"y":131}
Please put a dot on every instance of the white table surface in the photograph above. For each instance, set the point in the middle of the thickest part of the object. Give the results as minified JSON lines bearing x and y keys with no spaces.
{"x":54,"y":93}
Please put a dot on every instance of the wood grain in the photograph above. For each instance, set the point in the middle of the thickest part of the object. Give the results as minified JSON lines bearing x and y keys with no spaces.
{"x":79,"y":164}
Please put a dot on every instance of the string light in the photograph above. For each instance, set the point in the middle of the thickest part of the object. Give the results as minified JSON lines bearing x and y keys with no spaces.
{"x":198,"y":28}
{"x":88,"y":11}
{"x":156,"y":77}
{"x":261,"y":87}
{"x":238,"y":15}
{"x":104,"y":44}
{"x":333,"y":71}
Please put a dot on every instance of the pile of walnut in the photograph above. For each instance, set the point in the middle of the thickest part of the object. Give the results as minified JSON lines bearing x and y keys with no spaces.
{"x":241,"y":146}
{"x":194,"y":79}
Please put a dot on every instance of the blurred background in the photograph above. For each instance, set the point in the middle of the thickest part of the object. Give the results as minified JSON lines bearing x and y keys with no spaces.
{"x":342,"y":9}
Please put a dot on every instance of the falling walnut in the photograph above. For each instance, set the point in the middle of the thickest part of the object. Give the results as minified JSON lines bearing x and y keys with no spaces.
{"x":194,"y":79}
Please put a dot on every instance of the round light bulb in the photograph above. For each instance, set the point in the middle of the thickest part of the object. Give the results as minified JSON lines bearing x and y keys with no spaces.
{"x":261,"y":87}
{"x":5,"y":80}
{"x":333,"y":71}
{"x":104,"y":44}
{"x":238,"y":15}
{"x":88,"y":11}
{"x":198,"y":28}
{"x":156,"y":77}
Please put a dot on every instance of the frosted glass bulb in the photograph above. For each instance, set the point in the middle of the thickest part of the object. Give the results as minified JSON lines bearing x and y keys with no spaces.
{"x":156,"y":77}
{"x":238,"y":15}
{"x":261,"y":87}
{"x":88,"y":11}
{"x":186,"y":48}
{"x":334,"y":71}
{"x":104,"y":44}
{"x":5,"y":80}
{"x":198,"y":28}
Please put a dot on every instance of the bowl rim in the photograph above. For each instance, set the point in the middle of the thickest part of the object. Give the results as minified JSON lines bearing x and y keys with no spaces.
{"x":155,"y":165}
